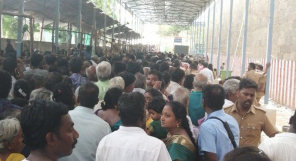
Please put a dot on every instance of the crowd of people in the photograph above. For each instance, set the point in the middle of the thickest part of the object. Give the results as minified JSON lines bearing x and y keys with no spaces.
{"x":134,"y":106}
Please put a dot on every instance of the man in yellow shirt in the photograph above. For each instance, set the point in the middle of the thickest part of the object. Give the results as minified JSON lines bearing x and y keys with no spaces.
{"x":252,"y":120}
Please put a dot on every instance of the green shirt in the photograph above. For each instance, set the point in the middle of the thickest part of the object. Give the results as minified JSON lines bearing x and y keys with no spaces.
{"x":156,"y":130}
{"x":195,"y":109}
{"x":103,"y":88}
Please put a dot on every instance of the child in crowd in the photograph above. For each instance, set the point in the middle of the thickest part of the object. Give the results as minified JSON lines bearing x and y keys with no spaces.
{"x":155,"y":107}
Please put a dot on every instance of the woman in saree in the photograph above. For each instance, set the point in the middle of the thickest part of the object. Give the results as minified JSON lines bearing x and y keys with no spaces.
{"x":179,"y":142}
{"x":109,"y":111}
{"x":11,"y":139}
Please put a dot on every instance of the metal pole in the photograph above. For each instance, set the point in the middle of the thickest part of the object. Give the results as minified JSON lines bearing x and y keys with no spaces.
{"x":105,"y":21}
{"x":199,"y":43}
{"x":207,"y":43}
{"x":119,"y":28}
{"x":57,"y":23}
{"x":245,"y":37}
{"x":229,"y":39}
{"x":194,"y":41}
{"x":219,"y":39}
{"x":269,"y":49}
{"x":191,"y":38}
{"x":1,"y":8}
{"x":203,"y":31}
{"x":79,"y":20}
{"x":94,"y":30}
{"x":19,"y":28}
{"x":113,"y":9}
{"x":213,"y":35}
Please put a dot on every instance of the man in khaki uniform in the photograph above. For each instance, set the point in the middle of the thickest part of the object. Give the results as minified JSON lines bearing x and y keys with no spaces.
{"x":255,"y":76}
{"x":252,"y":120}
{"x":261,"y":85}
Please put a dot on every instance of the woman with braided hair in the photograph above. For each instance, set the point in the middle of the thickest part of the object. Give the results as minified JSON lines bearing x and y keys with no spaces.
{"x":180,"y":143}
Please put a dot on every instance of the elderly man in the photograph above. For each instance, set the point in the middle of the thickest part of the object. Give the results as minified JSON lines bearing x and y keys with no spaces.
{"x":252,"y":120}
{"x":131,"y":142}
{"x":91,"y":74}
{"x":103,"y":73}
{"x":181,"y":95}
{"x":231,"y":89}
{"x":140,"y":83}
{"x":195,"y":109}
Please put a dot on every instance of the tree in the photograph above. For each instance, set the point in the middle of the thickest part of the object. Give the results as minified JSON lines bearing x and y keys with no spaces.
{"x":171,"y":30}
{"x":9,"y":26}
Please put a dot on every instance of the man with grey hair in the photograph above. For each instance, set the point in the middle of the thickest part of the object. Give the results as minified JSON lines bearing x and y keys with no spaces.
{"x":140,"y":83}
{"x":91,"y":74}
{"x":181,"y":95}
{"x":195,"y":108}
{"x":103,"y":71}
{"x":231,"y":88}
{"x":117,"y":82}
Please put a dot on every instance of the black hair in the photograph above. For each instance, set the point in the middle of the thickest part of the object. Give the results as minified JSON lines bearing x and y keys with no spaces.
{"x":50,"y":59}
{"x":210,"y":66}
{"x":178,"y":75}
{"x":154,"y":92}
{"x":62,"y":62}
{"x":247,"y":83}
{"x":128,"y":78}
{"x":193,"y":66}
{"x":154,"y":66}
{"x":156,"y":104}
{"x":132,"y":57}
{"x":63,"y":93}
{"x":52,"y":79}
{"x":36,"y":60}
{"x":9,"y":64}
{"x":88,"y":48}
{"x":246,"y":154}
{"x":63,"y":70}
{"x":38,"y":81}
{"x":111,"y":98}
{"x":5,"y":84}
{"x":75,"y":65}
{"x":252,"y":65}
{"x":157,"y":73}
{"x":180,"y":113}
{"x":39,"y":119}
{"x":88,"y":95}
{"x":20,"y":102}
{"x":22,"y":89}
{"x":214,"y":96}
{"x":134,"y":67}
{"x":205,"y":64}
{"x":292,"y":120}
{"x":166,"y":79}
{"x":164,"y":67}
{"x":131,"y":108}
{"x":188,"y":81}
{"x":176,"y":63}
{"x":119,"y":67}
{"x":11,"y":113}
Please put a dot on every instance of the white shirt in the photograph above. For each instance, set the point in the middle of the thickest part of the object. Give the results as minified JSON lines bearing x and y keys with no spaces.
{"x":139,"y":90}
{"x":91,"y":129}
{"x":131,"y":143}
{"x":172,"y":87}
{"x":209,"y":74}
{"x":282,"y":147}
{"x":227,"y":103}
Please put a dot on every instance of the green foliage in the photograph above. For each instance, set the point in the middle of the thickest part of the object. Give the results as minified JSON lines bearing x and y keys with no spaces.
{"x":63,"y":35}
{"x":101,"y":4}
{"x":171,"y":30}
{"x":9,"y":26}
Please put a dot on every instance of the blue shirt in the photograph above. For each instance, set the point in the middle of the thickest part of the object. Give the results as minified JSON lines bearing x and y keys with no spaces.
{"x":213,"y":136}
{"x":87,"y":55}
{"x":77,"y":80}
{"x":195,"y":109}
{"x":5,"y":104}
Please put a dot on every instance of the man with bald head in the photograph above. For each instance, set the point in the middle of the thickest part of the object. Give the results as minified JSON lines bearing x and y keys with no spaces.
{"x":91,"y":74}
{"x":195,"y":109}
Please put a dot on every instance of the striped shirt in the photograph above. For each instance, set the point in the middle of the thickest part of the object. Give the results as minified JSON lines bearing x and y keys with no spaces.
{"x":213,"y":136}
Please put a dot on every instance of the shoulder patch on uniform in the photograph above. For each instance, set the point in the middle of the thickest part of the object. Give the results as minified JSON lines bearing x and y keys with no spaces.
{"x":260,"y":109}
